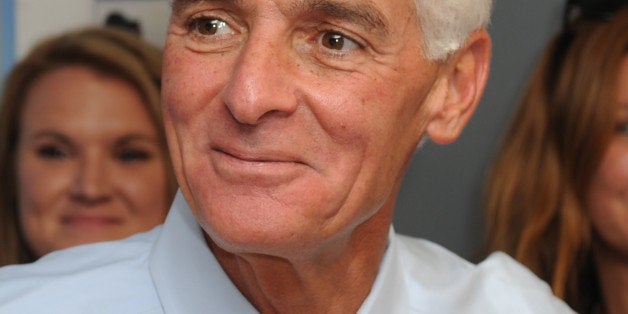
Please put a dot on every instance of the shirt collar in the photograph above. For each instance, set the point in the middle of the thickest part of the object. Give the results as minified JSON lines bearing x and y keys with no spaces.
{"x":186,"y":275}
{"x":189,"y":279}
{"x":389,"y":293}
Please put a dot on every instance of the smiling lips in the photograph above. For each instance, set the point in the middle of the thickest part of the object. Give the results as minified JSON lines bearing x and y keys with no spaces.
{"x":266,"y":169}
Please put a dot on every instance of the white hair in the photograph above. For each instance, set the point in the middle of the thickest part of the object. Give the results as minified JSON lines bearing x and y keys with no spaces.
{"x":446,"y":24}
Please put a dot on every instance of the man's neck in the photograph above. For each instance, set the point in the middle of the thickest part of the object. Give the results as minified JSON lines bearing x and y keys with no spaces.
{"x":315,"y":284}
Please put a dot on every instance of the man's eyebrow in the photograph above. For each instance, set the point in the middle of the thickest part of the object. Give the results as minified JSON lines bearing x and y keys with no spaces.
{"x":180,"y":5}
{"x":364,"y":13}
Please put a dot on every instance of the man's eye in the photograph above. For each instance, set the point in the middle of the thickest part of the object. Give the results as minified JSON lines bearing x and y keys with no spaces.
{"x":209,"y":26}
{"x":336,"y":41}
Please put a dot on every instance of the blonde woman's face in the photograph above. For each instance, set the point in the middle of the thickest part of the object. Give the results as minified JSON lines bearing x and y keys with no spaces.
{"x":608,"y":196}
{"x":89,"y":164}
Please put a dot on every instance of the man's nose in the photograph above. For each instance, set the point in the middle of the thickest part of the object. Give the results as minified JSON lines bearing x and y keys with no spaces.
{"x":262,"y":83}
{"x":92,"y":184}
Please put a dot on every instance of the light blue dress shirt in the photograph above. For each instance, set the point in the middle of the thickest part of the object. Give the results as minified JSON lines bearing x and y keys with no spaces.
{"x":171,"y":270}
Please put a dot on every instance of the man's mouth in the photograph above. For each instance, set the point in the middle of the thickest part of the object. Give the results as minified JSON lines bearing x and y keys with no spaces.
{"x":260,"y":167}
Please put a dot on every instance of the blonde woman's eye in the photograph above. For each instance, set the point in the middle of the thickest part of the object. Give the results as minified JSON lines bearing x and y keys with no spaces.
{"x":133,"y":155}
{"x":51,"y":152}
{"x":622,"y":128}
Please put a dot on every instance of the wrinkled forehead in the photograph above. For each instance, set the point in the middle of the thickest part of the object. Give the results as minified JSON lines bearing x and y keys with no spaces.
{"x":378,"y":14}
{"x":177,"y":4}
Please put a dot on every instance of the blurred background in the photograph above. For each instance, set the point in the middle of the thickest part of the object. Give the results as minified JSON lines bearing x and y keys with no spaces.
{"x":441,"y":196}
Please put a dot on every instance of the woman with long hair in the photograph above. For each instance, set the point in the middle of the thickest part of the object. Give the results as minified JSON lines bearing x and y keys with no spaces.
{"x":557,"y":195}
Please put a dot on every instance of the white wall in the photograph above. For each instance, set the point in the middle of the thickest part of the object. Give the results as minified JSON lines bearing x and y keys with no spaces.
{"x":153,"y":15}
{"x":36,"y":19}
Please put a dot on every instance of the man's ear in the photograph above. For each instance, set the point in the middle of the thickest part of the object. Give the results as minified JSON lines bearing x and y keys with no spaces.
{"x":464,"y":80}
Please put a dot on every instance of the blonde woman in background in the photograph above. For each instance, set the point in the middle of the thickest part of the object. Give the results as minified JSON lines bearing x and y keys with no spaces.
{"x":83,"y":156}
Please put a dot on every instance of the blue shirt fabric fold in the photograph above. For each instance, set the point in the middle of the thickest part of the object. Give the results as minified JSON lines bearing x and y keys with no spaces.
{"x":170,"y":269}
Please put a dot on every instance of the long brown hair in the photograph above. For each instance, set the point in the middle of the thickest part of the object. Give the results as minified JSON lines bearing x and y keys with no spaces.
{"x":108,"y":51}
{"x":534,"y":195}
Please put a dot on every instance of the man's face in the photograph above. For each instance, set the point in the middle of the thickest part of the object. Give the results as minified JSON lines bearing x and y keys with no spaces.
{"x":291,"y":122}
